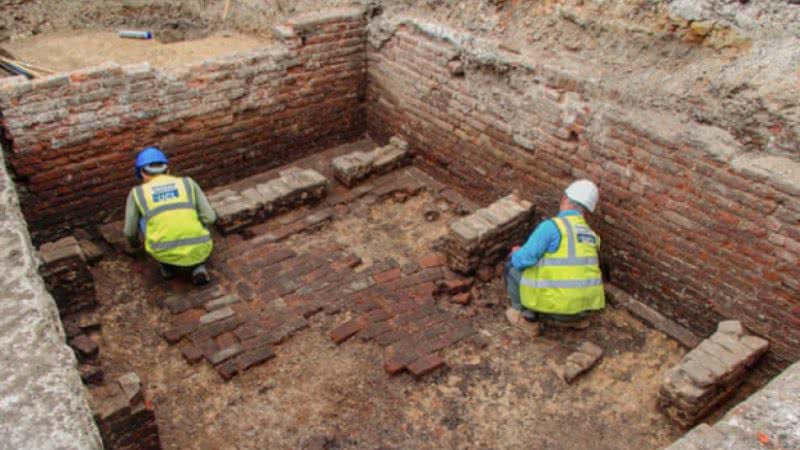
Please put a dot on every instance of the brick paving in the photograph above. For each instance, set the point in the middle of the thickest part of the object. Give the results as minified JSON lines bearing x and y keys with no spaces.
{"x":265,"y":291}
{"x":273,"y":290}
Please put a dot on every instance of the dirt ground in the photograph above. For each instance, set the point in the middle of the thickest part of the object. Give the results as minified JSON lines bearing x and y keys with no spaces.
{"x":65,"y":51}
{"x":315,"y":394}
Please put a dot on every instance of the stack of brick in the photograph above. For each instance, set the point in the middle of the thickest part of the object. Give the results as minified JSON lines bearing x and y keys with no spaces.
{"x":66,"y":274}
{"x":708,"y":374}
{"x":485,"y":236}
{"x":123,"y":417}
{"x":352,"y":168}
{"x":241,"y":208}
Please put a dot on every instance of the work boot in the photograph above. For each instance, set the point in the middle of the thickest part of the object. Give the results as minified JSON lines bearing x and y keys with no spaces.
{"x":166,"y":272}
{"x":579,"y":324}
{"x":516,"y":319}
{"x":200,"y":275}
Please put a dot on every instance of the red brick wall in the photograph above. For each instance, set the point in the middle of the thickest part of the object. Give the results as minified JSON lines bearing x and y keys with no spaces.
{"x":74,"y":136}
{"x":690,"y":223}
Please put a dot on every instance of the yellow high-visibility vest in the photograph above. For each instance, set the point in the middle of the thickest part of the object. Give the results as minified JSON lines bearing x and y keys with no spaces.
{"x":173,"y":232}
{"x":568,"y":280}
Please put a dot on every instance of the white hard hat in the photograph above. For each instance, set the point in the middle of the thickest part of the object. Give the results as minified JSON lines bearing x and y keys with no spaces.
{"x":583,"y":192}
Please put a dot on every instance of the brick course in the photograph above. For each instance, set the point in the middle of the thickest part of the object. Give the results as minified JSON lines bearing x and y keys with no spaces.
{"x":66,"y":274}
{"x":691,"y":224}
{"x":74,"y":136}
{"x":709,"y":373}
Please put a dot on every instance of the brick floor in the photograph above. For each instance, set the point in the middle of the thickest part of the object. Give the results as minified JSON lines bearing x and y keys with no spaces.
{"x":264,"y":291}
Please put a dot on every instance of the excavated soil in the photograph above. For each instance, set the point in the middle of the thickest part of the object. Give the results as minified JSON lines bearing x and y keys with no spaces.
{"x":66,"y":51}
{"x":316,"y":394}
{"x":720,"y":63}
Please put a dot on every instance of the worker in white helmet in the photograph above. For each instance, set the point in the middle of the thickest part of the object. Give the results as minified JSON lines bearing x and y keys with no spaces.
{"x":555,"y":276}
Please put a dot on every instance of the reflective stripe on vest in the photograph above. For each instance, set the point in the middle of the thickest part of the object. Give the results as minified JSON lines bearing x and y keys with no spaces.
{"x":173,"y":231}
{"x":561,"y":283}
{"x":179,"y":243}
{"x":566,"y":281}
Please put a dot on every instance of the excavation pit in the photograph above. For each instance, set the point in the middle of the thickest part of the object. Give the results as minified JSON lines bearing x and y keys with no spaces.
{"x":314,"y":390}
{"x":309,"y":367}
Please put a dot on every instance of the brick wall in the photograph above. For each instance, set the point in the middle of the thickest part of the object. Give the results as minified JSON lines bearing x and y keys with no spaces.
{"x":74,"y":136}
{"x":692,"y":225}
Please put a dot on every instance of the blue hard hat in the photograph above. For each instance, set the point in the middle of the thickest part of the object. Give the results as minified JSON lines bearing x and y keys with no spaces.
{"x":149,"y":155}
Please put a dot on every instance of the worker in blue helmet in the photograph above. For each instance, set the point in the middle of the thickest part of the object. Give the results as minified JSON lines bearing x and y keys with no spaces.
{"x":172,"y":214}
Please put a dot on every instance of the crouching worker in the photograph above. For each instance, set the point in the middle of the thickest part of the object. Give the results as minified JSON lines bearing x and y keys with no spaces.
{"x":172,"y":214}
{"x":555,"y":276}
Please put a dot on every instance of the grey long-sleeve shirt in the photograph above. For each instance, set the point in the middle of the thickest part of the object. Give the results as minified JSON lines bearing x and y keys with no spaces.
{"x":132,"y":216}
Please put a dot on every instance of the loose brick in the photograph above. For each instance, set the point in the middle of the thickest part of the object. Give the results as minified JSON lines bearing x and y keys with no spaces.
{"x":249,"y":331}
{"x":91,"y":374}
{"x":214,"y":329}
{"x":425,"y":365}
{"x":400,"y":359}
{"x":254,"y":357}
{"x":175,"y":334}
{"x":208,"y":348}
{"x":457,"y":285}
{"x":462,"y":332}
{"x":201,"y":297}
{"x":373,"y":330}
{"x":433,"y":260}
{"x":216,"y":315}
{"x":226,"y":339}
{"x":391,"y":337}
{"x":177,"y":303}
{"x":245,"y":291}
{"x":351,"y":261}
{"x":221,"y":302}
{"x":346,"y":330}
{"x":188,"y":317}
{"x":387,"y":276}
{"x":286,"y":328}
{"x":85,"y":347}
{"x":225,"y":354}
{"x":227,"y":370}
{"x":192,"y":353}
{"x":461,"y":299}
{"x":436,"y":344}
{"x":377,"y":315}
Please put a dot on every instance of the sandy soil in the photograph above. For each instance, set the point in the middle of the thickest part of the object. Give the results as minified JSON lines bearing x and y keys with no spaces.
{"x":65,"y":51}
{"x":318,"y":395}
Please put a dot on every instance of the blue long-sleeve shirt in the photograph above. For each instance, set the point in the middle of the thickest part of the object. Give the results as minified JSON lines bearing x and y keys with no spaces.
{"x":545,"y":239}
